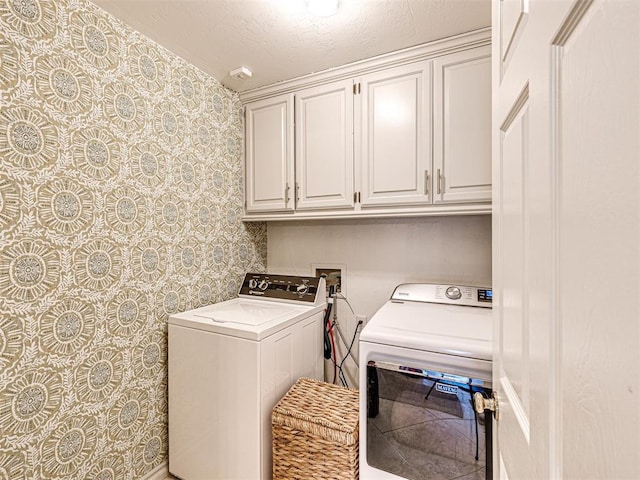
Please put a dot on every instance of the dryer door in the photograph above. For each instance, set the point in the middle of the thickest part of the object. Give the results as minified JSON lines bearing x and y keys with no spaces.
{"x":421,"y":423}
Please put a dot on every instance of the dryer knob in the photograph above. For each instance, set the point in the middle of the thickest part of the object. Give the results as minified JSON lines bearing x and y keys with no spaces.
{"x":453,"y":293}
{"x":253,"y":283}
{"x":263,"y":285}
{"x":302,"y":289}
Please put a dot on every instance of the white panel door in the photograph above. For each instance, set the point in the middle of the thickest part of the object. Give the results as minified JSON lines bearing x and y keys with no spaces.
{"x":269,"y":154}
{"x":324,"y":146}
{"x":396,"y":136}
{"x":462,"y":127}
{"x":566,"y":238}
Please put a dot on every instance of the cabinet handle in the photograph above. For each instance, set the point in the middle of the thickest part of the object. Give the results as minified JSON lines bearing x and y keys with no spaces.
{"x":286,"y":194}
{"x":439,"y":182}
{"x":426,"y":182}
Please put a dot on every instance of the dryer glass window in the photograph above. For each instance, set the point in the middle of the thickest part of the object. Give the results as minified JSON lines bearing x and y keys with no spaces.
{"x":421,"y":424}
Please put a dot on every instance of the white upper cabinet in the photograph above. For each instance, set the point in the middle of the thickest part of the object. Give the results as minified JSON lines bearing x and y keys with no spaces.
{"x":403,"y":134}
{"x":324,"y":146}
{"x":462,"y":127}
{"x":269,"y":154}
{"x":396,"y":135}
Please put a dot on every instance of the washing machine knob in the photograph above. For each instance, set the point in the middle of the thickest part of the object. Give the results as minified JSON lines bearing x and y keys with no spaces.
{"x":453,"y":293}
{"x":263,"y":284}
{"x":253,"y":283}
{"x":302,"y":288}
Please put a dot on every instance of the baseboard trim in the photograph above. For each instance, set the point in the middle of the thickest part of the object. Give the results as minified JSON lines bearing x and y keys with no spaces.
{"x":161,"y":472}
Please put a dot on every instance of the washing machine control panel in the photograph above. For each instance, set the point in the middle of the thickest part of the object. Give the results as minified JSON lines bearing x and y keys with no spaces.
{"x":282,"y":287}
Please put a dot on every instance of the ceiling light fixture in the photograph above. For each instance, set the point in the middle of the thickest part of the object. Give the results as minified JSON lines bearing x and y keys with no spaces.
{"x":322,"y":8}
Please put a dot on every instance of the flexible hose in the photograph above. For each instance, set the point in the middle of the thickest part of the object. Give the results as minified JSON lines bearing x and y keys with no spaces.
{"x":327,"y":325}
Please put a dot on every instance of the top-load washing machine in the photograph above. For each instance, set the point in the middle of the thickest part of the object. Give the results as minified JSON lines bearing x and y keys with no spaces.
{"x":229,"y":364}
{"x":423,"y":357}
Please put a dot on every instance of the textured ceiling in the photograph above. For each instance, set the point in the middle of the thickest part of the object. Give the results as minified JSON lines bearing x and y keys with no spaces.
{"x":279,"y":40}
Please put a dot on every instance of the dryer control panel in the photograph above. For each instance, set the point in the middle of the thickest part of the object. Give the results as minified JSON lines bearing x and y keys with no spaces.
{"x":470,"y":296}
{"x":307,"y":290}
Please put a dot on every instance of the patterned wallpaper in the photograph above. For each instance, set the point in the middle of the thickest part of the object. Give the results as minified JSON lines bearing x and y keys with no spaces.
{"x":120,"y":203}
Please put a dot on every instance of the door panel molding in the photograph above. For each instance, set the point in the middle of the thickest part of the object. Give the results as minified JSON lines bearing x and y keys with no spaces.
{"x":519,"y":412}
{"x":513,"y":19}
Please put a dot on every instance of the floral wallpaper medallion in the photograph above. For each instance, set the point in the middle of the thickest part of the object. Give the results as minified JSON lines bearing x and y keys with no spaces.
{"x":202,"y":215}
{"x":204,"y":136}
{"x":120,"y":204}
{"x":93,"y":37}
{"x":149,"y":260}
{"x":68,"y":447}
{"x":100,"y":375}
{"x":150,"y":354}
{"x":126,"y":210}
{"x":98,"y":264}
{"x":67,"y":327}
{"x":28,"y":138}
{"x":65,"y":206}
{"x":168,"y":123}
{"x":31,"y":18}
{"x":127,"y":313}
{"x":96,"y":152}
{"x":152,"y":447}
{"x":124,"y":107}
{"x":28,"y":270}
{"x":168,"y":215}
{"x":149,"y":164}
{"x":64,"y":85}
{"x":146,"y":67}
{"x":30,"y":401}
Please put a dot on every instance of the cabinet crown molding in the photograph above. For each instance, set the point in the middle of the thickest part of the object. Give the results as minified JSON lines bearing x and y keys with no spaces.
{"x":464,"y":41}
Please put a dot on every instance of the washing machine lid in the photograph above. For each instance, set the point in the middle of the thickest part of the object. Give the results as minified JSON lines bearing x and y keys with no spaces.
{"x":245,"y":312}
{"x":435,"y":327}
{"x":245,"y":318}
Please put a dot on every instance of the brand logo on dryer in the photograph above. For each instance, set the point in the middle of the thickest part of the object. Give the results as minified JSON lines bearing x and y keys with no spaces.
{"x":451,"y":389}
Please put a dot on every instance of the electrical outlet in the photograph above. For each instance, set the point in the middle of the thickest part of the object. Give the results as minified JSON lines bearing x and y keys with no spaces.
{"x":361,"y":321}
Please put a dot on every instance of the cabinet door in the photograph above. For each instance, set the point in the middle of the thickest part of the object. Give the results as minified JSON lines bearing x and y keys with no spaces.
{"x":269,"y":154}
{"x":324,"y":146}
{"x":462,"y":126}
{"x":396,"y":135}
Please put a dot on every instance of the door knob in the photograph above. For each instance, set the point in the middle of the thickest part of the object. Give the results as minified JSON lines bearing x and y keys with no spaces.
{"x":481,"y":403}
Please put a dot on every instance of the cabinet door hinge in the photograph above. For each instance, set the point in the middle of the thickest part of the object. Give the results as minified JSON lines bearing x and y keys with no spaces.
{"x":356,"y":197}
{"x":356,"y":88}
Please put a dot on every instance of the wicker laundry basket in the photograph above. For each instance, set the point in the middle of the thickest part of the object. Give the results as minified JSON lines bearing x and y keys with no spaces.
{"x":315,"y":432}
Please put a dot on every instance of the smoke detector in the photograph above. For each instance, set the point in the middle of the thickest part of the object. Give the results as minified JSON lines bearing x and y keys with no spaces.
{"x":241,"y":73}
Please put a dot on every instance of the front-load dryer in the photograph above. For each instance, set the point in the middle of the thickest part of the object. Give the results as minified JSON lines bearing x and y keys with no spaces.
{"x":423,"y":357}
{"x":229,"y":364}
